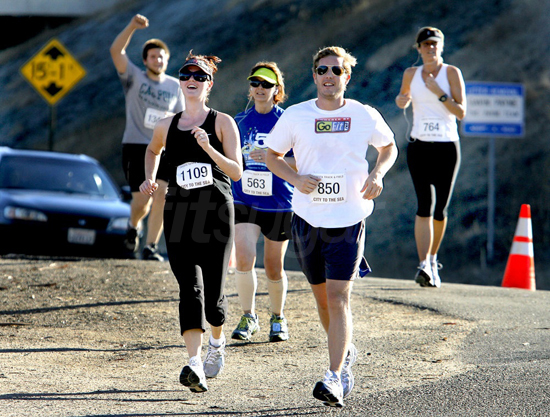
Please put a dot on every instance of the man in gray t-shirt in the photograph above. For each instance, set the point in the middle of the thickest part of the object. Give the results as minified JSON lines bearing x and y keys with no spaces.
{"x":150,"y":96}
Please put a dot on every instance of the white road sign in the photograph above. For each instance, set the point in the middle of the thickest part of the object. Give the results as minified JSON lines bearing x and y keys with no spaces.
{"x":494,"y":109}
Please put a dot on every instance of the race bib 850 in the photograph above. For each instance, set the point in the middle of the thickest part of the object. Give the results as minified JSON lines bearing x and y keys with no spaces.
{"x":331,"y":189}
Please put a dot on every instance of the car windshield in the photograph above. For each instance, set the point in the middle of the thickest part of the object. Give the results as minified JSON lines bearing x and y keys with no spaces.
{"x":48,"y":174}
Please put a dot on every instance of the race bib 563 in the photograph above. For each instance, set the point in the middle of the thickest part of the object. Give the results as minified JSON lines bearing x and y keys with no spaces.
{"x":257,"y":182}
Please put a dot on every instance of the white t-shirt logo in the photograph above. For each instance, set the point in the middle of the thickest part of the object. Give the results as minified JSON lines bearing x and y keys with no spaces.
{"x":333,"y":125}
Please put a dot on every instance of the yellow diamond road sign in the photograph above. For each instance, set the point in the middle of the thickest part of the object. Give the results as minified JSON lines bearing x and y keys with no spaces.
{"x":53,"y":71}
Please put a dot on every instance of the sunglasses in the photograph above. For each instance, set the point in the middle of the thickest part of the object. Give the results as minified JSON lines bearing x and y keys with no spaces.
{"x":200,"y":77}
{"x":336,"y":70}
{"x":264,"y":84}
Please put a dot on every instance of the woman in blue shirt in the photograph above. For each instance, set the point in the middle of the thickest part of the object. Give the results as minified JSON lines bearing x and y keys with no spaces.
{"x":262,"y":206}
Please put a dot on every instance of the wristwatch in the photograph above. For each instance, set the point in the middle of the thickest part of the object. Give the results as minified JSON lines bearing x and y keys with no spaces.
{"x":443,"y":98}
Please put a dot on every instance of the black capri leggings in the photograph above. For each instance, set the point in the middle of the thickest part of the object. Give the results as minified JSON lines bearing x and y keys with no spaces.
{"x":199,"y":238}
{"x":433,"y":164}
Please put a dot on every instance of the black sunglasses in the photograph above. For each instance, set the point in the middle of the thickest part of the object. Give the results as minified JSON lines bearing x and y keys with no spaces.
{"x":336,"y":70}
{"x":264,"y":84}
{"x":198,"y":76}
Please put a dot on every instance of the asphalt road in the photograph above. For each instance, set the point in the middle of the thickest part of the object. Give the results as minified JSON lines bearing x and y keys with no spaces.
{"x":509,"y":348}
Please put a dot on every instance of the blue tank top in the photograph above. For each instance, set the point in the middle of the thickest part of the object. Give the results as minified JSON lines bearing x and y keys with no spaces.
{"x":254,"y":128}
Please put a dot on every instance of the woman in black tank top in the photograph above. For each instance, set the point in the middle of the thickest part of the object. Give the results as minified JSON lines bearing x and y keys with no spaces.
{"x":202,"y":152}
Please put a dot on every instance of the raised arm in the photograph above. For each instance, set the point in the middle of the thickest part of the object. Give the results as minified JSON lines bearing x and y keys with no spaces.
{"x":119,"y":45}
{"x":226,"y":129}
{"x":456,"y":103}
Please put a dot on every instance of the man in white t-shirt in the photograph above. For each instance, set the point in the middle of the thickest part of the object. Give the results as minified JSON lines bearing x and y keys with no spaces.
{"x":333,"y":195}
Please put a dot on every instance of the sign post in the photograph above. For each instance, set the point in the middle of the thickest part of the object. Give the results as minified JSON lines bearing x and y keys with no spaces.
{"x":53,"y":72}
{"x":494,"y":110}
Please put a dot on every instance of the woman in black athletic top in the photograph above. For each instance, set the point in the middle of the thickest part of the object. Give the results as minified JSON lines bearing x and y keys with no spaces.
{"x":202,"y":151}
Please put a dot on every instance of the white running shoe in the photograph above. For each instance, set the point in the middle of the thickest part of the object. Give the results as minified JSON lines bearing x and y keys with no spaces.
{"x":192,"y":376}
{"x":436,"y":266}
{"x":214,"y":361}
{"x":347,"y":377}
{"x":424,"y":275}
{"x":330,"y":390}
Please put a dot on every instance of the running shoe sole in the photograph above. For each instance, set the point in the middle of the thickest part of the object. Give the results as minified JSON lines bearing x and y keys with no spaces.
{"x":149,"y":255}
{"x":321,"y":392}
{"x":278,"y":338}
{"x":423,"y":279}
{"x":190,"y":379}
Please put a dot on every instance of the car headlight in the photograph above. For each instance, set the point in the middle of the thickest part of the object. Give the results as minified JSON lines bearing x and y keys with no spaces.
{"x":119,"y":223}
{"x":19,"y":213}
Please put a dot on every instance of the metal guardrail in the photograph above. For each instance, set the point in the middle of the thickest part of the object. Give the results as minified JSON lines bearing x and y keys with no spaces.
{"x":53,"y":7}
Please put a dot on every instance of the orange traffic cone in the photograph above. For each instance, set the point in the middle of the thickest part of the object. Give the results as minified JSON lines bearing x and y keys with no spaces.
{"x":520,"y":269}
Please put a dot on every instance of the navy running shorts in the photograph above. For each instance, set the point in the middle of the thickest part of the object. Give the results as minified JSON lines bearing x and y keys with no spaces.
{"x":328,"y":253}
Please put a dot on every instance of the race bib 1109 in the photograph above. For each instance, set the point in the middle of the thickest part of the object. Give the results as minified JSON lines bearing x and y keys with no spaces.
{"x":194,"y":175}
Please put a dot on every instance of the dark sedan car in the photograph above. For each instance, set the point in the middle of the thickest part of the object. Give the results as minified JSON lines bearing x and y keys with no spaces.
{"x":54,"y":203}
